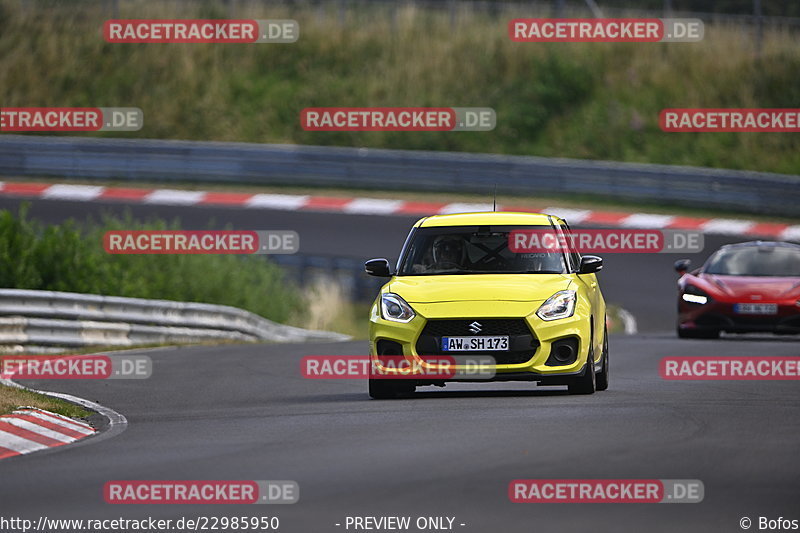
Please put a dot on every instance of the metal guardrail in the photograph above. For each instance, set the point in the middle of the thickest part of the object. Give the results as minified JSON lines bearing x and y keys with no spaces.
{"x":47,"y":318}
{"x":139,"y":160}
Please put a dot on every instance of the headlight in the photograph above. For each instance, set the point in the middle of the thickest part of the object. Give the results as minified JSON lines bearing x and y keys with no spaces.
{"x":559,"y":305}
{"x":694,"y":295}
{"x":394,"y":308}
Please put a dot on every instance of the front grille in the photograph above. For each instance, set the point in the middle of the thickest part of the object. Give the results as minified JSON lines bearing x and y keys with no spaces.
{"x":460,"y":328}
{"x":522,"y":342}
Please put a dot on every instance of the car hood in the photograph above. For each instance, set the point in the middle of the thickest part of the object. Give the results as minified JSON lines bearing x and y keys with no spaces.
{"x":479,"y":287}
{"x":764,"y":287}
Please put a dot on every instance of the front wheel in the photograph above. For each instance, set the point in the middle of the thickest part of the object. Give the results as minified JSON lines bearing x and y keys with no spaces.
{"x":387,"y":389}
{"x":601,"y":379}
{"x":584,"y":384}
{"x":381,"y":389}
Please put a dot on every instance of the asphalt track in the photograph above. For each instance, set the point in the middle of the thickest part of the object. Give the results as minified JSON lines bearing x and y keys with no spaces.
{"x":644,"y":284}
{"x":245,"y":412}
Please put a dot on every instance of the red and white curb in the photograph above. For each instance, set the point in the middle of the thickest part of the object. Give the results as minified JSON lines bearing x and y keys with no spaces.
{"x":29,"y":430}
{"x":380,"y":206}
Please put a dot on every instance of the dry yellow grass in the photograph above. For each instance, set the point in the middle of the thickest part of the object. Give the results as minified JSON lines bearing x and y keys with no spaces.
{"x":12,"y":398}
{"x":327,"y":307}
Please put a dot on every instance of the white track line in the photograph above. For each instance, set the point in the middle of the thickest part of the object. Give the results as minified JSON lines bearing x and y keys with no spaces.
{"x":643,"y":220}
{"x":289,"y":202}
{"x":373,"y":206}
{"x":792,"y":233}
{"x":72,"y":192}
{"x":174,"y":197}
{"x":572,"y":216}
{"x":727,"y":226}
{"x":458,"y":207}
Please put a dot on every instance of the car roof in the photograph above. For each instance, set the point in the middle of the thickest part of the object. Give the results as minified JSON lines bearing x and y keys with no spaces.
{"x":761,"y":243}
{"x":499,"y":218}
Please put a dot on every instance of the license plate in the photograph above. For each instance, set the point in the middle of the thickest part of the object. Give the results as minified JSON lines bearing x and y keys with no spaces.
{"x":475,"y":344}
{"x":756,"y":309}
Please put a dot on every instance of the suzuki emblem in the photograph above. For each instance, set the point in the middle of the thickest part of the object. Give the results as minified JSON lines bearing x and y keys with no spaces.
{"x":475,"y":328}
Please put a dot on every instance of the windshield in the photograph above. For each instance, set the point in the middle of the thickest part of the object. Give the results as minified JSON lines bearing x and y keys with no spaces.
{"x":756,"y":261}
{"x":474,"y":250}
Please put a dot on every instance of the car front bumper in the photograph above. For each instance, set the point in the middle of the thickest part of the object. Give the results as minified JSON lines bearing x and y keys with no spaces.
{"x":721,"y":316}
{"x":393,"y":338}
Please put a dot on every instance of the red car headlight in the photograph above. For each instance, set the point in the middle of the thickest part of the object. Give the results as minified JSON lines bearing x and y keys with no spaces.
{"x":695,"y":295}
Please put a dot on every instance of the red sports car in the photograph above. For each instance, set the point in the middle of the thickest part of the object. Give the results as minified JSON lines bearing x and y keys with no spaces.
{"x":741,"y":288}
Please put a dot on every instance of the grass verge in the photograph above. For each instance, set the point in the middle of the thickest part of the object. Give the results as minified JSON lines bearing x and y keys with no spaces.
{"x":580,"y":100}
{"x":12,"y":398}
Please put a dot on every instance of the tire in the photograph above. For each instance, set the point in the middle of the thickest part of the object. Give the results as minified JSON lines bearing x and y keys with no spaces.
{"x":584,"y":384}
{"x":601,"y":378}
{"x":389,"y":389}
{"x":696,"y":334}
{"x":382,"y":389}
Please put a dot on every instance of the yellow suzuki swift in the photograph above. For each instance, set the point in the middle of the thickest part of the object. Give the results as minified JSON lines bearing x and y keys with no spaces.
{"x":463,"y":294}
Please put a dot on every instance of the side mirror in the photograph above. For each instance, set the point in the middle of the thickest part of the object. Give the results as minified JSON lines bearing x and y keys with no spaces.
{"x":378,"y":267}
{"x":590,"y":264}
{"x":682,"y":266}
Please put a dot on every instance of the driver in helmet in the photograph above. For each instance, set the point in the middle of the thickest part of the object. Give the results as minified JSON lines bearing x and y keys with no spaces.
{"x":449,"y":253}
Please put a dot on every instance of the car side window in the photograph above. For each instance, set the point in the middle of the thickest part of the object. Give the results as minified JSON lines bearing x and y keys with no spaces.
{"x":563,"y":237}
{"x":574,"y":256}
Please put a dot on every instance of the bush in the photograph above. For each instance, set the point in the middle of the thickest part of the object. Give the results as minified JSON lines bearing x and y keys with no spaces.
{"x":71,"y":258}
